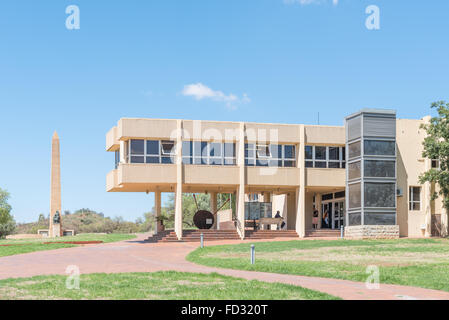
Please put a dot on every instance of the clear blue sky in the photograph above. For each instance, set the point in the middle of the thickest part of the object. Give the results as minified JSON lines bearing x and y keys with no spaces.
{"x":283,"y":62}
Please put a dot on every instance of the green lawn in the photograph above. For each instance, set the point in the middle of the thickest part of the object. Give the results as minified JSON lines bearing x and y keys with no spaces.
{"x":31,"y":245}
{"x":415,"y":262}
{"x":154,"y":286}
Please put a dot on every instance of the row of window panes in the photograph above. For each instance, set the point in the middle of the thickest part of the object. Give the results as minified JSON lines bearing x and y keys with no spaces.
{"x":325,"y":157}
{"x":272,"y":155}
{"x":151,"y":151}
{"x":209,"y":153}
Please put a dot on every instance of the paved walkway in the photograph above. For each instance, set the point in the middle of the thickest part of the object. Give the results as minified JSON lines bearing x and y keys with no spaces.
{"x":137,"y":256}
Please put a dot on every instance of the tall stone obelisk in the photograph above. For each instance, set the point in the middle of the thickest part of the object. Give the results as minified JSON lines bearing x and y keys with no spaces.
{"x":55,"y":188}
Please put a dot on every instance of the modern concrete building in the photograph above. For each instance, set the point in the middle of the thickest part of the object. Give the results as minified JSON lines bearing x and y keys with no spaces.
{"x":363,"y":175}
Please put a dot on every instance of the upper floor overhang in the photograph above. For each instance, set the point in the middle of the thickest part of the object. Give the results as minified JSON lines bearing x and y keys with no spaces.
{"x":166,"y":129}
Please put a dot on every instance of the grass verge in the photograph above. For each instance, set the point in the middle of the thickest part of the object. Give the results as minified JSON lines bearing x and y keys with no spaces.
{"x":31,"y":245}
{"x":413,"y":262}
{"x":168,"y":285}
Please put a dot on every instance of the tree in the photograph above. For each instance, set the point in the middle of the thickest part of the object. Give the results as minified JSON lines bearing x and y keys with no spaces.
{"x":436,"y":147}
{"x":7,"y":223}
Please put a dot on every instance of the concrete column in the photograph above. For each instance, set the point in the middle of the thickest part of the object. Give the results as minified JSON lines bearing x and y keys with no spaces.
{"x":444,"y":222}
{"x":426,"y":203}
{"x":213,"y":207}
{"x":318,"y":207}
{"x":301,"y":190}
{"x":241,"y":187}
{"x":178,"y":193}
{"x":157,"y":207}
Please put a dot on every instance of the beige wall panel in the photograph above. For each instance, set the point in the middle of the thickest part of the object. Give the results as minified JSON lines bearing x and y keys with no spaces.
{"x":112,"y":143}
{"x":286,"y":133}
{"x":325,"y":135}
{"x":211,"y":175}
{"x":146,"y":128}
{"x":316,"y":177}
{"x":142,"y":173}
{"x":264,"y":176}
{"x":210,"y":130}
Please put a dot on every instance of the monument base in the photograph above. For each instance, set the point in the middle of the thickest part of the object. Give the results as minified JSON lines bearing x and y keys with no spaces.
{"x":372,"y":232}
{"x":56,"y":231}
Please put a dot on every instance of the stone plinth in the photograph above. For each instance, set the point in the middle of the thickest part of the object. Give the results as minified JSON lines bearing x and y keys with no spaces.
{"x":372,"y":232}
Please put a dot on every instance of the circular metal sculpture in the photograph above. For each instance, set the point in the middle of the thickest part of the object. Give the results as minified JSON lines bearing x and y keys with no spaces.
{"x":203,"y":219}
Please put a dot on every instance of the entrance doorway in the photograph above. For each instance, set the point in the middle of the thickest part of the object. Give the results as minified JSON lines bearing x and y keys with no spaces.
{"x":335,"y":212}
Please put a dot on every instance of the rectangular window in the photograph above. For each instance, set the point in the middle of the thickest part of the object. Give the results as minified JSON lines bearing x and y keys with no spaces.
{"x":380,"y":169}
{"x":137,"y":147}
{"x":380,"y":195}
{"x":263,"y":151}
{"x":355,"y":196}
{"x":354,"y":150}
{"x":168,"y":148}
{"x":320,"y":153}
{"x":435,"y":164}
{"x":379,"y":219}
{"x":153,"y":147}
{"x":379,"y":148}
{"x":309,"y":152}
{"x":354,"y":170}
{"x":415,"y":198}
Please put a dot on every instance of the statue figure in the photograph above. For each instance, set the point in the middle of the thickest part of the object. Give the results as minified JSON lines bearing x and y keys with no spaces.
{"x":56,"y":218}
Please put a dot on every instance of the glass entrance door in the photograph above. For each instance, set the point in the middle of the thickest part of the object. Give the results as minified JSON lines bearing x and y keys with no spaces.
{"x":333,"y":214}
{"x":338,"y":215}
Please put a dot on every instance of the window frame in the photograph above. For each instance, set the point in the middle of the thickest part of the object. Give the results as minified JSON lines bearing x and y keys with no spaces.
{"x":313,"y":162}
{"x":411,"y":199}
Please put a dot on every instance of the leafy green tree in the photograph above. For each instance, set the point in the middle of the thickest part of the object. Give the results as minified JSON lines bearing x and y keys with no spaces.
{"x":436,"y":146}
{"x":7,"y":223}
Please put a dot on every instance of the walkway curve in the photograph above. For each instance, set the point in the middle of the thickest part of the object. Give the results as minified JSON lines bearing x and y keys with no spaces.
{"x":137,"y":256}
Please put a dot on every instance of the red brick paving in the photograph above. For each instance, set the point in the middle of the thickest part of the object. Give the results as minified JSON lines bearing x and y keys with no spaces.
{"x":137,"y":256}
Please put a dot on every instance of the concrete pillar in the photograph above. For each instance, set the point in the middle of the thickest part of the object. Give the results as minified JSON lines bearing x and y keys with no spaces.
{"x":157,"y":207}
{"x":213,"y":207}
{"x":55,"y":187}
{"x":318,"y":207}
{"x":240,"y":203}
{"x":301,"y":190}
{"x":427,"y":199}
{"x":444,"y":222}
{"x":178,"y":193}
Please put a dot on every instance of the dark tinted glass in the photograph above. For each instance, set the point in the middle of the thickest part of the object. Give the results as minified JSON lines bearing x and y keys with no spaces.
{"x":309,"y":152}
{"x":355,"y":219}
{"x":354,"y":170}
{"x":320,"y":164}
{"x":167,"y":160}
{"x":380,"y":195}
{"x":197,"y":148}
{"x":334,"y":153}
{"x":153,"y":147}
{"x":320,"y":153}
{"x":334,"y":165}
{"x":354,"y":150}
{"x":137,"y":147}
{"x":379,"y":169}
{"x":309,"y":164}
{"x":290,"y":163}
{"x":137,"y":159}
{"x":355,"y":198}
{"x":379,"y":148}
{"x":379,"y":219}
{"x":290,"y":152}
{"x":152,"y":160}
{"x":215,"y":149}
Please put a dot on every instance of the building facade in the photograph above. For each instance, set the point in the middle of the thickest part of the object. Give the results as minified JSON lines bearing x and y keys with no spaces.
{"x":363,"y":175}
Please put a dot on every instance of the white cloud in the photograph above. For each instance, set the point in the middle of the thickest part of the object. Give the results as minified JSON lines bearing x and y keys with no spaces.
{"x":307,"y":2}
{"x":199,"y":91}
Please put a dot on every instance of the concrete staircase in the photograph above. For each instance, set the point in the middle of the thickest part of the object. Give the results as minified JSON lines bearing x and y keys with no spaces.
{"x":195,"y":236}
{"x":323,"y":233}
{"x":270,"y":234}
